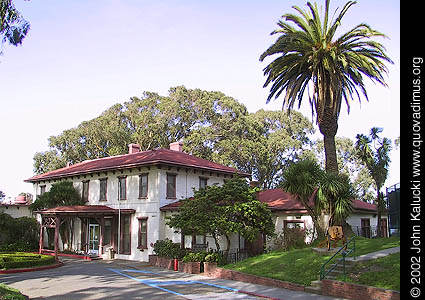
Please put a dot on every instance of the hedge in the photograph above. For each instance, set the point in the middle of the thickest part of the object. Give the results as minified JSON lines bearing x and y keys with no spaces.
{"x":24,"y":260}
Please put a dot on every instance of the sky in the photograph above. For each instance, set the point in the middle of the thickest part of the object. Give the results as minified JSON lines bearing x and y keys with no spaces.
{"x":81,"y":57}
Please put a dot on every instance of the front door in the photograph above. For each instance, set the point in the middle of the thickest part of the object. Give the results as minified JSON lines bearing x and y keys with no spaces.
{"x":365,"y":223}
{"x":94,"y":233}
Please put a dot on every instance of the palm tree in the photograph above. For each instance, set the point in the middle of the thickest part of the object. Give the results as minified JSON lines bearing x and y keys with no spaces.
{"x":374,"y":152}
{"x":331,"y":69}
{"x":302,"y":180}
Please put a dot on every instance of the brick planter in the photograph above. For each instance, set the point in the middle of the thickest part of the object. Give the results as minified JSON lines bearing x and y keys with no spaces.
{"x":152,"y":259}
{"x":190,"y":267}
{"x":209,"y":268}
{"x":357,"y":291}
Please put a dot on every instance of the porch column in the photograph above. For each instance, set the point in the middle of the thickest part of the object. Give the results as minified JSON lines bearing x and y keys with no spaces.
{"x":102,"y":231}
{"x":57,"y":225}
{"x":40,"y":243}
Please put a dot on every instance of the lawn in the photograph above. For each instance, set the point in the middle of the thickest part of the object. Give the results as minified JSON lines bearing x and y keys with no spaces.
{"x":15,"y":260}
{"x":302,"y":265}
{"x":383,"y":272}
{"x":8,"y":293}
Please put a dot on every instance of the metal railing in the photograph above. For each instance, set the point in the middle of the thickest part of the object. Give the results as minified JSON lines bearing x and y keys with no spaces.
{"x":234,"y":255}
{"x":344,"y":253}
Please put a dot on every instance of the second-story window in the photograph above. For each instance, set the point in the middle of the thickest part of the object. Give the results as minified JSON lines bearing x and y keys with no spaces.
{"x":42,"y":189}
{"x":143,"y":186}
{"x":203,"y":182}
{"x":103,"y":189}
{"x":171,"y":185}
{"x":122,"y":188}
{"x":85,"y":193}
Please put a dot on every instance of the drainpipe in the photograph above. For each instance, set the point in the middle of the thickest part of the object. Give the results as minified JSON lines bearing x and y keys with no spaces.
{"x":119,"y":215}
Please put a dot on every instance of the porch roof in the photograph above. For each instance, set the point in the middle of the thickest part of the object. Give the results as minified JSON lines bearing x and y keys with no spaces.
{"x":83,"y":210}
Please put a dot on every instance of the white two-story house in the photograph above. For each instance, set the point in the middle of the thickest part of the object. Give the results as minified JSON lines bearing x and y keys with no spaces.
{"x":124,"y":195}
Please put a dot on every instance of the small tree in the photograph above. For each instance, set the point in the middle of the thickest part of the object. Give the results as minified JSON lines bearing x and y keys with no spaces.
{"x":319,"y":192}
{"x":61,"y":194}
{"x":374,"y":152}
{"x":223,"y":210}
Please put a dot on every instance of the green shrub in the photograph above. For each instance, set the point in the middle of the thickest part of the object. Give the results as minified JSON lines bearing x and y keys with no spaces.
{"x":213,"y":257}
{"x":166,"y":248}
{"x":195,"y":257}
{"x":20,"y":234}
{"x":24,"y":260}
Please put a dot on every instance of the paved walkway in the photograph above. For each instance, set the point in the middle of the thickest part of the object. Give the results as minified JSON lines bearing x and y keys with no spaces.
{"x":116,"y":280}
{"x":375,"y":255}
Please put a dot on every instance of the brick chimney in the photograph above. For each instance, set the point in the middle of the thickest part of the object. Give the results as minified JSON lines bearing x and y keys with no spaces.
{"x":176,"y":146}
{"x":133,"y":148}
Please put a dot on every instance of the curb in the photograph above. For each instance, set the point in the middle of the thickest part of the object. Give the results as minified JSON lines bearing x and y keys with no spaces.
{"x":257,"y":295}
{"x":12,"y":271}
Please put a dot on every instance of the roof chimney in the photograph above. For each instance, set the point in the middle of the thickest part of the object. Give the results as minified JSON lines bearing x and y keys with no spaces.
{"x":176,"y":146}
{"x":133,"y":148}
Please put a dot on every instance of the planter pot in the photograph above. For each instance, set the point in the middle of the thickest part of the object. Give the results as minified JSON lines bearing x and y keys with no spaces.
{"x":189,"y":267}
{"x":210,"y":267}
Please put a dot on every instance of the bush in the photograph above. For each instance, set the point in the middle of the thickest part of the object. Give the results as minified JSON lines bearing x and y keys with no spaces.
{"x":212,"y":257}
{"x":289,"y":238}
{"x":195,"y":257}
{"x":24,"y":260}
{"x":166,"y":248}
{"x":21,"y":234}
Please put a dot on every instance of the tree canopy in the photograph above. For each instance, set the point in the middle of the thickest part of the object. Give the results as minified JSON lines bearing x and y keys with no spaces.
{"x":222,"y":210}
{"x":13,"y":27}
{"x":60,"y":194}
{"x":211,"y":125}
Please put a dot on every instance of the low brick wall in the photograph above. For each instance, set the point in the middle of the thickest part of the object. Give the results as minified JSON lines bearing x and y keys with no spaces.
{"x":162,"y":262}
{"x":190,"y":267}
{"x":356,"y":291}
{"x":221,"y":273}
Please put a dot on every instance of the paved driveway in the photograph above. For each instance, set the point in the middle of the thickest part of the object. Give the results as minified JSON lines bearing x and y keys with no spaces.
{"x":79,"y":279}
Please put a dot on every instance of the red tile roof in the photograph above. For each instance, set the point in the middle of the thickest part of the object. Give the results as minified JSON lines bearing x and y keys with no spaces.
{"x":279,"y":200}
{"x":151,"y":157}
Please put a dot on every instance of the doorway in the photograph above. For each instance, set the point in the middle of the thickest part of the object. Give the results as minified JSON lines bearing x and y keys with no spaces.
{"x":94,"y":234}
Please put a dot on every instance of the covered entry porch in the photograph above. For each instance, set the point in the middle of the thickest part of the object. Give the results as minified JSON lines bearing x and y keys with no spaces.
{"x":82,"y":229}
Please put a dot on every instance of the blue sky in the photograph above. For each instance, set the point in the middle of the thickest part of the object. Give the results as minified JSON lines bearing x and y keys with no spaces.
{"x":81,"y":57}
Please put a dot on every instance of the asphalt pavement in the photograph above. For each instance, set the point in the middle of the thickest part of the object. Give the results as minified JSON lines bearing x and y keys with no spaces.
{"x":116,"y":279}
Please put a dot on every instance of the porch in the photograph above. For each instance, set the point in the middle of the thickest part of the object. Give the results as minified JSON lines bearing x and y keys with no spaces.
{"x":86,"y":229}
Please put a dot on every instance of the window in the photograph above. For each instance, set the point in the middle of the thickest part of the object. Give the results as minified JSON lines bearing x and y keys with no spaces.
{"x":122,"y":188}
{"x":42,"y":189}
{"x":85,"y":193}
{"x":125,"y":237}
{"x":294,"y":224}
{"x":171,"y":185}
{"x":143,"y":233}
{"x":143,"y":186}
{"x":108,"y":232}
{"x":203,"y":182}
{"x":103,"y":189}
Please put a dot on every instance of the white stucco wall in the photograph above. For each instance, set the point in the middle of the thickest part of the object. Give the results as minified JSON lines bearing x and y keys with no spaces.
{"x":16,"y":211}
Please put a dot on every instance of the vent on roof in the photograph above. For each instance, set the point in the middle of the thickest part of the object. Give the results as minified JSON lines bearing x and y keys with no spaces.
{"x":176,"y":146}
{"x":133,"y":148}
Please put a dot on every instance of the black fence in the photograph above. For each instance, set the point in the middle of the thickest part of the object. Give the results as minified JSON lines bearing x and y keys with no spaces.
{"x":369,"y":231}
{"x":235,"y":255}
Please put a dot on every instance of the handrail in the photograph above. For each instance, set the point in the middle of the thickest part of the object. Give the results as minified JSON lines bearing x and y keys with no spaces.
{"x":344,"y":255}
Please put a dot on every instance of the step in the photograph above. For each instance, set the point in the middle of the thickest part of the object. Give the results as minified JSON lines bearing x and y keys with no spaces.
{"x":313,"y":290}
{"x":316,"y":283}
{"x":340,"y":267}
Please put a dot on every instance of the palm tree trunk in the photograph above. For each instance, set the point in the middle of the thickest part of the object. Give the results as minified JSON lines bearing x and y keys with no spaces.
{"x":379,"y":207}
{"x":330,"y":153}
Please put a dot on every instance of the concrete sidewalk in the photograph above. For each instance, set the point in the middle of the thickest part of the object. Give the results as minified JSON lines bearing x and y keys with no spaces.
{"x":375,"y":255}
